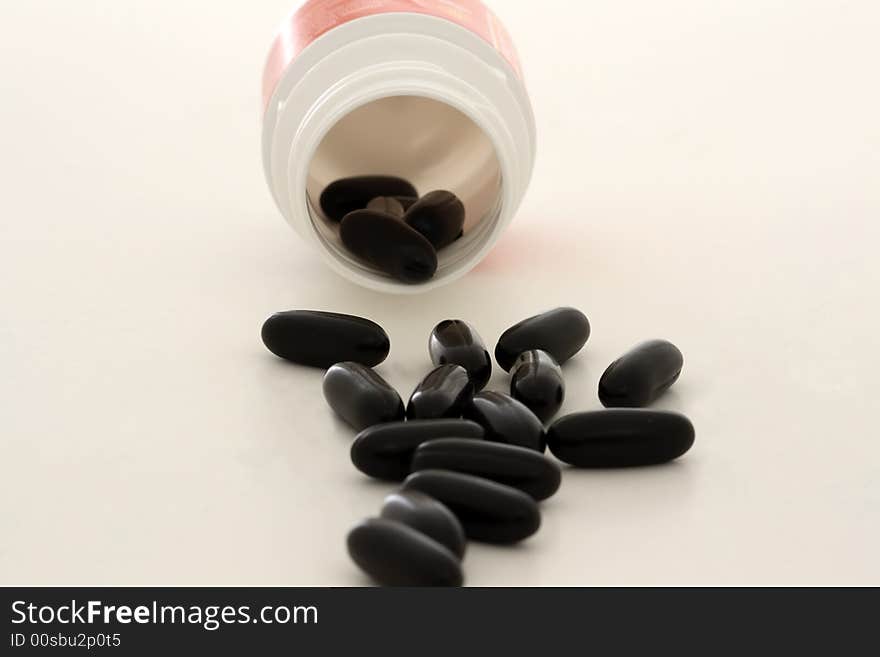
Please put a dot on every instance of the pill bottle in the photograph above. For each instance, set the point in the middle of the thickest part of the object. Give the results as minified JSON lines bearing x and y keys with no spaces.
{"x":428,"y":90}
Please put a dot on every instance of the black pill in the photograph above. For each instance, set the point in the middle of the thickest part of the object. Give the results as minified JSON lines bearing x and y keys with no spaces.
{"x":536,"y":381}
{"x":385,"y":451}
{"x":320,"y":339}
{"x":506,"y":420}
{"x":487,"y":510}
{"x":425,"y":514}
{"x":348,"y":194}
{"x":389,"y":245}
{"x":518,"y":467}
{"x":394,"y":554}
{"x":561,"y":332}
{"x":455,"y":341}
{"x":439,"y":216}
{"x":620,"y":437}
{"x":386,"y":204}
{"x":445,"y":392}
{"x":360,"y":396}
{"x":641,"y":375}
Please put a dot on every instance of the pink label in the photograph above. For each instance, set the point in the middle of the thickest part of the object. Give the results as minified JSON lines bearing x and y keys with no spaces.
{"x":316,"y":17}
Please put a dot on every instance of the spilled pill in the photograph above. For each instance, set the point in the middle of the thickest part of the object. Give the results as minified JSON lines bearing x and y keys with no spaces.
{"x":506,"y":420}
{"x":444,"y":392}
{"x":425,"y":514}
{"x":395,"y":554}
{"x":487,"y":510}
{"x":620,"y":437}
{"x":385,"y":451}
{"x":641,"y":375}
{"x":320,"y":339}
{"x":513,"y":466}
{"x":457,"y":342}
{"x":561,"y":332}
{"x":360,"y":396}
{"x":536,"y":381}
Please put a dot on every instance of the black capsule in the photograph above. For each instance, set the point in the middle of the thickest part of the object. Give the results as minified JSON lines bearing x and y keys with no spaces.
{"x":386,"y":204}
{"x":320,"y":339}
{"x":360,"y":396}
{"x":518,"y":467}
{"x":445,"y":392}
{"x":394,"y":554}
{"x":389,"y":245}
{"x":641,"y":375}
{"x":620,"y":437}
{"x":561,"y":332}
{"x":439,"y":216}
{"x":506,"y":420}
{"x":425,"y":514}
{"x":385,"y":451}
{"x":536,"y":381}
{"x":455,"y":341}
{"x":348,"y":194}
{"x":487,"y":510}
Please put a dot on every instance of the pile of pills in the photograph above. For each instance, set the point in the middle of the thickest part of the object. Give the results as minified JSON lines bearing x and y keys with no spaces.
{"x":471,"y":461}
{"x":383,"y":221}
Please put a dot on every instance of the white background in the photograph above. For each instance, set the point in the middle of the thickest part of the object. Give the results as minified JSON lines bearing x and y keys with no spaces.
{"x":708,"y":172}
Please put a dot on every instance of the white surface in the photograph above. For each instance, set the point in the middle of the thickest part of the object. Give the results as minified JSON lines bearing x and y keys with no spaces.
{"x":707,"y":172}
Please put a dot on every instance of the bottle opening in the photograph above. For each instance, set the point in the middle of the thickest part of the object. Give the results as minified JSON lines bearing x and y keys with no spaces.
{"x":425,"y":141}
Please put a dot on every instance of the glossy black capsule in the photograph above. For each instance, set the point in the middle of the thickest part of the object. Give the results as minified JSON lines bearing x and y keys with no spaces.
{"x":536,"y":381}
{"x":394,"y":554}
{"x":387,"y":204}
{"x":455,"y":341}
{"x":620,"y":437}
{"x":439,"y":216}
{"x":385,"y":451}
{"x":320,"y":339}
{"x":348,"y":194}
{"x":487,"y":510}
{"x":518,"y":467}
{"x":360,"y":396}
{"x":389,"y":245}
{"x":506,"y":420}
{"x":445,"y":392}
{"x":561,"y":332}
{"x":641,"y":375}
{"x":425,"y":514}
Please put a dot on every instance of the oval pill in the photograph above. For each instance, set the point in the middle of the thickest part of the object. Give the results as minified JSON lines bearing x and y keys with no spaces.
{"x":506,"y":420}
{"x":320,"y":339}
{"x":389,"y":245}
{"x":561,"y":332}
{"x":518,"y":467}
{"x":620,"y":437}
{"x":385,"y":451}
{"x":360,"y":396}
{"x":536,"y":381}
{"x":457,"y":342}
{"x":641,"y":375}
{"x":438,"y":215}
{"x":425,"y":514}
{"x":394,"y":554}
{"x":443,"y":393}
{"x":348,"y":194}
{"x":487,"y":510}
